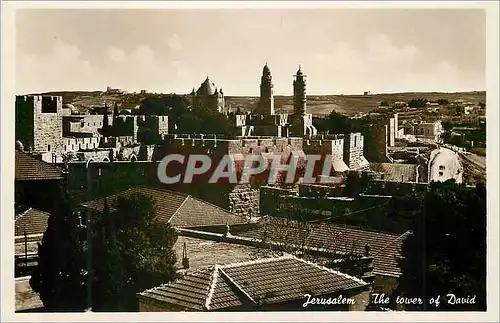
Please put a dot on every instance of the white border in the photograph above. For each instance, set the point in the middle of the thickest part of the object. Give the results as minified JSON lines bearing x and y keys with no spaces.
{"x":7,"y":166}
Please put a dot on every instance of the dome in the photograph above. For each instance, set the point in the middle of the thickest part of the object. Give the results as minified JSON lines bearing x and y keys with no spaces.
{"x":69,"y":106}
{"x":206,"y":88}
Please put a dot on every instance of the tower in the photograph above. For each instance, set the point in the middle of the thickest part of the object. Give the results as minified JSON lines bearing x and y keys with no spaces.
{"x":38,"y":124}
{"x":299,"y":94}
{"x":266,"y":103}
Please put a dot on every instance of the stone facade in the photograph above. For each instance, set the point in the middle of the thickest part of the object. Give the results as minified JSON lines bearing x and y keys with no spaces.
{"x":353,"y":151}
{"x":266,"y":103}
{"x":45,"y":128}
{"x":208,"y":96}
{"x":445,"y":164}
{"x":39,"y":117}
{"x":244,"y":200}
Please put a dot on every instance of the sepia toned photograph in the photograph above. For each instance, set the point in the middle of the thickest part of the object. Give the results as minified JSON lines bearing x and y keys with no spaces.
{"x":252,"y":159}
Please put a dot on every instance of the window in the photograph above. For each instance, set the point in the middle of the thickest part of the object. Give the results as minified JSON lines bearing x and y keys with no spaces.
{"x":441,"y":167}
{"x":48,"y":147}
{"x":440,"y":174}
{"x":64,"y":147}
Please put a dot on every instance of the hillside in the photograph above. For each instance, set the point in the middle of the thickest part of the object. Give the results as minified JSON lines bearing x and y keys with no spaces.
{"x":317,"y":105}
{"x":350,"y":104}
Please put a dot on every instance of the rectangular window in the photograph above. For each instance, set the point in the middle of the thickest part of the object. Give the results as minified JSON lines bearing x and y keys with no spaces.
{"x":64,"y":147}
{"x":440,"y":173}
{"x":48,"y":147}
{"x":441,"y":167}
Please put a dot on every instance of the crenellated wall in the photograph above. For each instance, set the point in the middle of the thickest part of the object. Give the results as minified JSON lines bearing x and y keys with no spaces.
{"x":38,"y":122}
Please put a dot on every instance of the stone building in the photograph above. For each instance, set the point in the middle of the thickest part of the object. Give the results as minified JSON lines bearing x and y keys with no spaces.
{"x":238,"y":198}
{"x":424,"y":130}
{"x":353,"y":151}
{"x":54,"y":132}
{"x":266,"y":103}
{"x":39,"y":123}
{"x":301,"y":120}
{"x":444,"y":164}
{"x":267,"y":123}
{"x":208,"y":96}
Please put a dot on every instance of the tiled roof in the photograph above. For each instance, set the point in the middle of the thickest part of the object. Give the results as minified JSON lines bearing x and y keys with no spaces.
{"x":203,"y":253}
{"x":267,"y":280}
{"x":385,"y":262}
{"x":32,"y":220}
{"x":384,"y":247}
{"x":396,"y":172}
{"x":179,"y":209}
{"x":28,"y":168}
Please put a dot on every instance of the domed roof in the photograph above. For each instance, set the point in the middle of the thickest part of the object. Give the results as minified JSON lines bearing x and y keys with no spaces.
{"x":206,"y":88}
{"x":69,"y":106}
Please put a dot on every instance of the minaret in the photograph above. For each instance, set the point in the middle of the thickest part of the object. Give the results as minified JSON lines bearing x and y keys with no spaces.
{"x":299,"y":93}
{"x":266,"y":104}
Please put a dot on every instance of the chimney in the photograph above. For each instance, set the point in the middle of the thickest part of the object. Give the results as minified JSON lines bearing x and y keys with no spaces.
{"x":185,"y":259}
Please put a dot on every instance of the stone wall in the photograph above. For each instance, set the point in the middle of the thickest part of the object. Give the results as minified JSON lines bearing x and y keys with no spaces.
{"x":333,"y":147}
{"x":76,"y":144}
{"x":269,"y":196}
{"x":314,"y":190}
{"x":83,"y":124}
{"x":361,"y":301}
{"x":47,"y":127}
{"x":244,"y":200}
{"x":353,"y":150}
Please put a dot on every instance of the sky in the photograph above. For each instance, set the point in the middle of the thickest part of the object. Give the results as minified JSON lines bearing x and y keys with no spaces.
{"x":342,"y":51}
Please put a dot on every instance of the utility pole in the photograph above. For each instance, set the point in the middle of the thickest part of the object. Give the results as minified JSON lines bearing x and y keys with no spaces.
{"x":89,"y":240}
{"x":25,"y":248}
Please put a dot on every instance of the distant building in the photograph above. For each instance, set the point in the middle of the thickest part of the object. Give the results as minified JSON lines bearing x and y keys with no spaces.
{"x":444,"y":164}
{"x":208,"y":96}
{"x":110,"y":90}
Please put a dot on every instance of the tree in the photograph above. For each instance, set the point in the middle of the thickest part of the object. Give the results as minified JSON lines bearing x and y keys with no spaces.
{"x":443,"y":102}
{"x":188,"y":123}
{"x":295,"y":235}
{"x":108,"y":273}
{"x":137,"y":253}
{"x":339,"y":123}
{"x":59,"y":278}
{"x":446,"y":252}
{"x":417,"y":103}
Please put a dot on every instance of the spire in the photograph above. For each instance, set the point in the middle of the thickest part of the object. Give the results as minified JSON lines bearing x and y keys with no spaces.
{"x":299,"y":71}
